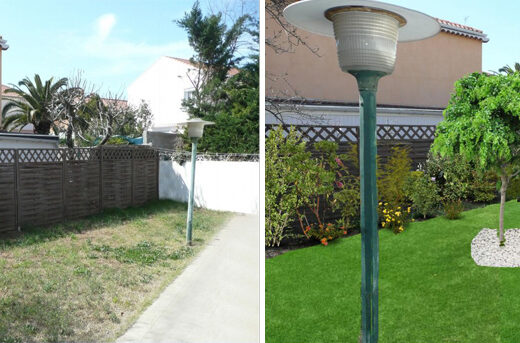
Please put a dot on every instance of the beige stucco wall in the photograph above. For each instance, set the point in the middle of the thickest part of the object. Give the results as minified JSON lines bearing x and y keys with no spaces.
{"x":424,"y":74}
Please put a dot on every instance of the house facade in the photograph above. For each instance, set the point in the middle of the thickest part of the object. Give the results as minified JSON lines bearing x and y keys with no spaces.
{"x":307,"y":86}
{"x":163,"y":86}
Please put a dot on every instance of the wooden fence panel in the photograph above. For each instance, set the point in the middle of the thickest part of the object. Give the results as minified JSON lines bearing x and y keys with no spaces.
{"x":40,"y":194}
{"x":47,"y":186}
{"x":8,"y":214}
{"x":145,"y":176}
{"x":117,"y":177}
{"x":82,"y":183}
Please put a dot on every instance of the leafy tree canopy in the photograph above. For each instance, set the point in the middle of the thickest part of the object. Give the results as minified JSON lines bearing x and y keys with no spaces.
{"x":482,"y":121}
{"x":230,"y":101}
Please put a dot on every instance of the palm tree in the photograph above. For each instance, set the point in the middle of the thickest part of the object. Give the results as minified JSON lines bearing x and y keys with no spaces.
{"x":32,"y":106}
{"x":508,"y":70}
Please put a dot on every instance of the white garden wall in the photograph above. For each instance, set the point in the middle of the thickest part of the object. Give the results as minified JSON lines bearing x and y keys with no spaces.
{"x":219,"y":185}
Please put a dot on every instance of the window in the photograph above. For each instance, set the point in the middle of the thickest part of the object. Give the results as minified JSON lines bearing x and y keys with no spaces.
{"x":189,"y":94}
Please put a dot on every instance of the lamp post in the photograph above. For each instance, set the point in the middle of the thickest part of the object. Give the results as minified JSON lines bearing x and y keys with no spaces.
{"x":195,"y":131}
{"x":366,"y":35}
{"x":3,"y":46}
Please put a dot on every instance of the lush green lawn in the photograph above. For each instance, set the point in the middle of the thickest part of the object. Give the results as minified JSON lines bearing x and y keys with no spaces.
{"x":430,"y":289}
{"x":88,"y":280}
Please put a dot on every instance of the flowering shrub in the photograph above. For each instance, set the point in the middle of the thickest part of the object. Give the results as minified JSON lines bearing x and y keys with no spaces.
{"x":326,"y":187}
{"x":325,"y":233}
{"x":396,"y":218}
{"x":423,"y":192}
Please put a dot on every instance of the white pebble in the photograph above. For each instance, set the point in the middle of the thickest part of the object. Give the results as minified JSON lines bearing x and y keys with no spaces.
{"x":486,"y":250}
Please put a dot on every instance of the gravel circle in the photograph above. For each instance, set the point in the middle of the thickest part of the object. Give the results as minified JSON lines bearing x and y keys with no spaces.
{"x":485,"y":249}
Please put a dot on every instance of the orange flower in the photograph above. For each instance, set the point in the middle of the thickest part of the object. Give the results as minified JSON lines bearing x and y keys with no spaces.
{"x":324,"y":241}
{"x":344,"y":232}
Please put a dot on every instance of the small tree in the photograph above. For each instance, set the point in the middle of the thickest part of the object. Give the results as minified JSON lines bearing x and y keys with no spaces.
{"x":68,"y":105}
{"x":482,"y":123}
{"x":32,"y":105}
{"x":284,"y":156}
{"x":222,"y":93}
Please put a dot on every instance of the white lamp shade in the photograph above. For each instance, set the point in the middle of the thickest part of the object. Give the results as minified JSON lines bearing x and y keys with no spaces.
{"x":366,"y":31}
{"x":365,"y":40}
{"x":196,"y":127}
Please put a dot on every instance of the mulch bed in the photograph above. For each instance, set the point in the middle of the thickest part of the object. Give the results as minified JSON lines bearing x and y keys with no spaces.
{"x":296,"y":243}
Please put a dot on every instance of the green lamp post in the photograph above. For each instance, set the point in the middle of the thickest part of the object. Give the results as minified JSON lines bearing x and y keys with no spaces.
{"x":3,"y":46}
{"x":366,"y":35}
{"x":195,"y":130}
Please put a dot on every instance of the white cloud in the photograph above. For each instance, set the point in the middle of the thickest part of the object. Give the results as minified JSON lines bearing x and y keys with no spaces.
{"x":104,"y":25}
{"x":101,"y":44}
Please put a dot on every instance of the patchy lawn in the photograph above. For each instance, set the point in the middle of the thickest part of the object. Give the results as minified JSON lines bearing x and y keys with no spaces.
{"x":431,"y":290}
{"x":89,"y":280}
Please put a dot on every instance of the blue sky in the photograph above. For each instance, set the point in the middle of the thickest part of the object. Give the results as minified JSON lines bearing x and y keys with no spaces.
{"x":110,"y":42}
{"x":114,"y":41}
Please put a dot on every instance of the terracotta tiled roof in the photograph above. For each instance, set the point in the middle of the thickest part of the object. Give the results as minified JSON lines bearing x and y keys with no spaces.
{"x":462,"y":30}
{"x":231,"y":72}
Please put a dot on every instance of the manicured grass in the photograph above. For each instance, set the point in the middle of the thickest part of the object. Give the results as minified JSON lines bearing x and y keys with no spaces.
{"x":430,"y":289}
{"x":88,"y":280}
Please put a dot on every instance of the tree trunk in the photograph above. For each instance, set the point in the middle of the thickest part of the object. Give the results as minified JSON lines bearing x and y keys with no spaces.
{"x":42,"y":128}
{"x":503,"y":190}
{"x":70,"y":141}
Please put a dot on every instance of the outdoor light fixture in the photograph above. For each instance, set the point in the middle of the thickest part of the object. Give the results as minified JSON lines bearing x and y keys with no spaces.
{"x":195,"y":131}
{"x":366,"y":35}
{"x":3,"y":46}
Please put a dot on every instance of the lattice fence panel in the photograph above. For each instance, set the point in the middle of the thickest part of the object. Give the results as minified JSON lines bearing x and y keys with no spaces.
{"x":405,"y":132}
{"x":7,"y":156}
{"x":350,"y":134}
{"x":40,"y":155}
{"x":110,"y":153}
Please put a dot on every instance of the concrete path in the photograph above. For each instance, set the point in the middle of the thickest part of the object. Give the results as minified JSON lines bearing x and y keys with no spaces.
{"x":215,"y":299}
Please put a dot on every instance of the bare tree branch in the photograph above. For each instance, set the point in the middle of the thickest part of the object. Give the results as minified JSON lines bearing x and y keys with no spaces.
{"x":286,"y":38}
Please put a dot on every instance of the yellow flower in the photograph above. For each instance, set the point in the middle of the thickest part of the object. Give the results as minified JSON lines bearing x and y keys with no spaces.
{"x":386,"y":204}
{"x":401,"y":229}
{"x":383,"y":224}
{"x":380,"y":203}
{"x":388,"y":220}
{"x":384,"y":211}
{"x":413,"y":220}
{"x":393,"y":219}
{"x":398,"y":213}
{"x":409,"y":209}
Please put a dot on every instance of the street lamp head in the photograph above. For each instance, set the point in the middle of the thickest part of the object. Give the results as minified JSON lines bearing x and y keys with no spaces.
{"x":3,"y":44}
{"x":196,"y":127}
{"x":366,"y":31}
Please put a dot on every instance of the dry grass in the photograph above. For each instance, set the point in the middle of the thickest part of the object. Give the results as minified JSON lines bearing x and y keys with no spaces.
{"x":89,"y":280}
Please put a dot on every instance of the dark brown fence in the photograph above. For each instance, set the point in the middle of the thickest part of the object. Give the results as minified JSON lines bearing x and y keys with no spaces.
{"x":417,"y":138}
{"x":47,"y":186}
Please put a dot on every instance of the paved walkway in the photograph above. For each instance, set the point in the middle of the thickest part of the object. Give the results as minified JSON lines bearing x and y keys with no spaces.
{"x":215,"y":299}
